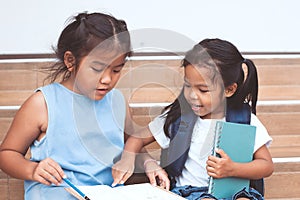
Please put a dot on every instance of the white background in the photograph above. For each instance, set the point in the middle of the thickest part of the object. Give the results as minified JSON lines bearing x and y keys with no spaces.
{"x":33,"y":26}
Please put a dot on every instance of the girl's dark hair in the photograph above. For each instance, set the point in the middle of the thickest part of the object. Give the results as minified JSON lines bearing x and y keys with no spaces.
{"x":221,"y":57}
{"x":83,"y":34}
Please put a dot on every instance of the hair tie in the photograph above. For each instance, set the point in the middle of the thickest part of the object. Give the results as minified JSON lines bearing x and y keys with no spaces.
{"x":244,"y":69}
{"x":81,"y":17}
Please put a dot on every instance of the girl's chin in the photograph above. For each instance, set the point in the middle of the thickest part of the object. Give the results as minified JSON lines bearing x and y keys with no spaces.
{"x":197,"y":112}
{"x":97,"y":97}
{"x":201,"y":113}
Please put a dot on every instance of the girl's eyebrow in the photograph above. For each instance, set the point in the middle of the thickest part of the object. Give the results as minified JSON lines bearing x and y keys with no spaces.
{"x":99,"y":63}
{"x":198,"y":85}
{"x":104,"y":64}
{"x":120,"y":65}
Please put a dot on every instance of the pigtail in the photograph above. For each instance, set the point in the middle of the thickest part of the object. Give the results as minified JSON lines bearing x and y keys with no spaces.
{"x":249,"y":88}
{"x":81,"y":31}
{"x":173,"y":111}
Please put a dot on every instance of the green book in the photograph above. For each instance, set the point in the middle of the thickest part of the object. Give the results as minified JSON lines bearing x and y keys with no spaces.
{"x":237,"y":140}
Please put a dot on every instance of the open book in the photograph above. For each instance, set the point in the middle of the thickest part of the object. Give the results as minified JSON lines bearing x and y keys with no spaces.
{"x":143,"y":191}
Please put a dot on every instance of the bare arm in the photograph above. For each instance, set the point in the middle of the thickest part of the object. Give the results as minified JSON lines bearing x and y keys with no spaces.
{"x":260,"y":167}
{"x":136,"y":138}
{"x":29,"y":124}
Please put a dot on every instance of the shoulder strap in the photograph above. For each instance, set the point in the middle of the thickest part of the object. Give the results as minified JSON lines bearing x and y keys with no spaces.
{"x":174,"y":157}
{"x":241,"y":115}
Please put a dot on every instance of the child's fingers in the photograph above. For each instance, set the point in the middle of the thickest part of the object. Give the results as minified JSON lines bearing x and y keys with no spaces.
{"x":212,"y":162}
{"x":117,"y":180}
{"x":125,"y":177}
{"x":56,"y":170}
{"x":120,"y":177}
{"x":222,"y":153}
{"x":164,"y":182}
{"x":47,"y":172}
{"x":152,"y":179}
{"x":212,"y":159}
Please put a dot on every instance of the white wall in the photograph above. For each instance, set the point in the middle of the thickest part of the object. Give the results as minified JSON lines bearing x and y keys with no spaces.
{"x":32,"y":26}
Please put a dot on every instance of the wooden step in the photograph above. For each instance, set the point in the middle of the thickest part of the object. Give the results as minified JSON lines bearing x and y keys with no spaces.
{"x":152,"y":80}
{"x":284,"y":182}
{"x":284,"y":131}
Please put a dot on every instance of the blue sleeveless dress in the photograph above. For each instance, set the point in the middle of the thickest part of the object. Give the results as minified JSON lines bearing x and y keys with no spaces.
{"x":84,"y":136}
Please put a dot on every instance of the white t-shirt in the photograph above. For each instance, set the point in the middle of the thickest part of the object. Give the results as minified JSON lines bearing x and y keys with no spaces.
{"x":194,"y":171}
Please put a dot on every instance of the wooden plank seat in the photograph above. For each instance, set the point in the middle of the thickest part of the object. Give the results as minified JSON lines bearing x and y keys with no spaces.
{"x":278,"y":109}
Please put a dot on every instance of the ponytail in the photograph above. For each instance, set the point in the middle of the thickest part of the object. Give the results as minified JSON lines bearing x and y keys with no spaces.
{"x":82,"y":30}
{"x":249,"y":89}
{"x":174,"y":111}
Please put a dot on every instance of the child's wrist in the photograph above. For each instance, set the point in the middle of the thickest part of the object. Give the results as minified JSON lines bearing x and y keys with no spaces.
{"x":127,"y":154}
{"x":148,"y":161}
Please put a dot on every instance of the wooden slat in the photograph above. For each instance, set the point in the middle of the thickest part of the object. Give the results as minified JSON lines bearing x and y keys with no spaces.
{"x":15,"y":189}
{"x":276,"y":61}
{"x":4,"y":189}
{"x":281,"y":123}
{"x":17,"y":80}
{"x":279,"y":75}
{"x":283,"y":185}
{"x":278,"y":152}
{"x":3,"y":176}
{"x":154,"y":95}
{"x":279,"y":92}
{"x":285,"y":140}
{"x":4,"y":126}
{"x":278,"y":106}
{"x":14,"y":98}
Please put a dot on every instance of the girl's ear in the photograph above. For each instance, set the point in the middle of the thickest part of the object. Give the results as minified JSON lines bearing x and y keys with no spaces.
{"x":69,"y":60}
{"x":230,"y":90}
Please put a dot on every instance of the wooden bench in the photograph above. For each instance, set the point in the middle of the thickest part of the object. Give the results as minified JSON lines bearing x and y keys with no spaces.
{"x":278,"y":108}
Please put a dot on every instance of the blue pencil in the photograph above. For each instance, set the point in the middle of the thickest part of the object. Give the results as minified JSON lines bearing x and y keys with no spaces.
{"x":75,"y":188}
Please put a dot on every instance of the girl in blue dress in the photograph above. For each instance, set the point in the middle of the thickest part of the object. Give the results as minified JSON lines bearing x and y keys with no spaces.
{"x":74,"y":128}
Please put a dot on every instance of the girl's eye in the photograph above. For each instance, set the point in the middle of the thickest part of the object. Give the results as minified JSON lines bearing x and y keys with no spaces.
{"x":98,"y":70}
{"x":203,"y":91}
{"x":187,"y":85}
{"x":118,"y":68}
{"x":117,"y":71}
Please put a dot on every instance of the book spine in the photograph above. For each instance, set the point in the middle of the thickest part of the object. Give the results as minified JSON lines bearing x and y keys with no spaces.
{"x":217,"y":132}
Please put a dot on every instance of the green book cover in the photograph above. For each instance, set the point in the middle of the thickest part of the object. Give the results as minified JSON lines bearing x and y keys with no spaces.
{"x":237,"y":140}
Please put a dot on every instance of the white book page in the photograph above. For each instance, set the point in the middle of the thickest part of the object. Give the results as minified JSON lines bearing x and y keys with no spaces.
{"x":144,"y":191}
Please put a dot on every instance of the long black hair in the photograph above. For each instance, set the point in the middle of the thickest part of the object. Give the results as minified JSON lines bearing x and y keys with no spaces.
{"x":220,"y":56}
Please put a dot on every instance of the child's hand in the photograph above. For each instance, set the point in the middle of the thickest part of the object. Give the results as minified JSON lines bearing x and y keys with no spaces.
{"x":47,"y":172}
{"x":157,"y":175}
{"x":219,"y":167}
{"x":122,"y":170}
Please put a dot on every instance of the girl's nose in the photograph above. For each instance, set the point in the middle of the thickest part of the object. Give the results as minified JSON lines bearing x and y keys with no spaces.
{"x":193,"y":94}
{"x":105,"y":77}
